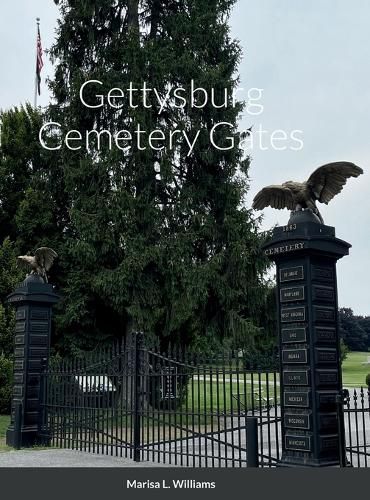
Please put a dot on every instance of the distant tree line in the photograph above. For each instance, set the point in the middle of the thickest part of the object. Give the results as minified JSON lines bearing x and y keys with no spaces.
{"x":354,"y":330}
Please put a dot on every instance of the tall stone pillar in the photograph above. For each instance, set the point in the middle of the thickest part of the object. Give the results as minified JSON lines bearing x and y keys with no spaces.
{"x":33,"y":300}
{"x":305,"y":253}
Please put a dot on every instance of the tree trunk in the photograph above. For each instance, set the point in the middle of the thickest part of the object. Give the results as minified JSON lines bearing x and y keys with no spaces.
{"x":133,"y":15}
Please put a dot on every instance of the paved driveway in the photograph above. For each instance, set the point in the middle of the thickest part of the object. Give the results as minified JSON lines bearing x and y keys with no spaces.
{"x":66,"y":458}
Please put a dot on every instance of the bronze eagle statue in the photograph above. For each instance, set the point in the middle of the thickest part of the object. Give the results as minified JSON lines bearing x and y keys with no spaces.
{"x":40,"y":263}
{"x":323,"y":184}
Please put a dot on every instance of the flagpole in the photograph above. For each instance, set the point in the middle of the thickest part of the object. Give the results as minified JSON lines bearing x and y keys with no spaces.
{"x":36,"y":82}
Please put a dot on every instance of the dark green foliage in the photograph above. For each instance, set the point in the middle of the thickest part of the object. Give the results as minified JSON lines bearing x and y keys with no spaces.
{"x":10,"y":275}
{"x":19,"y":155}
{"x":367,"y":380}
{"x":364,"y":322}
{"x":6,"y":374}
{"x":351,"y":331}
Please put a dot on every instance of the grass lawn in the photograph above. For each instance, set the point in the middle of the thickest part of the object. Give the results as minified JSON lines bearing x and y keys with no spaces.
{"x":205,"y":396}
{"x":4,"y":422}
{"x":355,"y":368}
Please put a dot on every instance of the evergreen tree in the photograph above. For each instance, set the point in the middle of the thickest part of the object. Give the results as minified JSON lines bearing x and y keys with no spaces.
{"x":176,"y":252}
{"x":19,"y":157}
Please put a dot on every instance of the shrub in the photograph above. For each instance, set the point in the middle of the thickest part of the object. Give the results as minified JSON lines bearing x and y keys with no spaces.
{"x":368,"y":379}
{"x":6,"y":381}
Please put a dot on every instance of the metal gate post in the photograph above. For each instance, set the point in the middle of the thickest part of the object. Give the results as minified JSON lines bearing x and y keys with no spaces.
{"x":43,"y":432}
{"x":138,"y":338}
{"x":252,"y":442}
{"x":341,"y":400}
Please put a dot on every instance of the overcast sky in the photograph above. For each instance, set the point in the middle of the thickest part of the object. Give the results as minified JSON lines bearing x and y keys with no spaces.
{"x":312,"y":61}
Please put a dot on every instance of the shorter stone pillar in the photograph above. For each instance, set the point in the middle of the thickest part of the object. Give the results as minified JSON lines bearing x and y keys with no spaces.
{"x":33,"y":300}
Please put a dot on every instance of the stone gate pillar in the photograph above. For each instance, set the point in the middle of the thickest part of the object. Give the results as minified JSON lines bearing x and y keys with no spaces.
{"x":33,"y":300}
{"x":305,"y":253}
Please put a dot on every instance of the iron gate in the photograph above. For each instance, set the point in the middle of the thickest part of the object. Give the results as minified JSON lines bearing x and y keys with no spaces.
{"x":177,"y":408}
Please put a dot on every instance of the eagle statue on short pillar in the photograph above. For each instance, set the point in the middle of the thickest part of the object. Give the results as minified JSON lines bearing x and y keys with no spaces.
{"x":322,"y":185}
{"x":40,"y":263}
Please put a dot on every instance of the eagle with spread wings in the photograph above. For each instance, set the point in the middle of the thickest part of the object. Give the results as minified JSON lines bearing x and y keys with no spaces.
{"x":322,"y":185}
{"x":40,"y":263}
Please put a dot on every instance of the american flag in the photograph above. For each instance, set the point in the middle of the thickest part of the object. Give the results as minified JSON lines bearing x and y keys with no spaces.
{"x":39,"y":61}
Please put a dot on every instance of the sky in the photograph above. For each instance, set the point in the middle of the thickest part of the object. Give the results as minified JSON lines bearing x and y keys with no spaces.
{"x":311,"y":60}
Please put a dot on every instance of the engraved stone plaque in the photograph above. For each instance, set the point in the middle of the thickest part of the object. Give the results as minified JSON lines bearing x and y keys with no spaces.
{"x":298,"y":443}
{"x":39,"y":326}
{"x":39,"y":340}
{"x":293,"y":314}
{"x":323,"y":293}
{"x":328,"y":421}
{"x":40,"y":314}
{"x":36,"y":352}
{"x":294,"y":356}
{"x":323,"y":314}
{"x":18,"y":378}
{"x":293,"y":335}
{"x":18,"y":390}
{"x":18,"y":364}
{"x":324,"y":356}
{"x":21,"y":313}
{"x":291,"y":274}
{"x":325,"y":334}
{"x":19,"y":352}
{"x":292,"y":294}
{"x":296,"y":399}
{"x":322,"y":273}
{"x":20,"y":326}
{"x":297,"y":420}
{"x":326,"y":399}
{"x":34,"y":364}
{"x":329,"y":443}
{"x":298,"y":377}
{"x":326,"y":377}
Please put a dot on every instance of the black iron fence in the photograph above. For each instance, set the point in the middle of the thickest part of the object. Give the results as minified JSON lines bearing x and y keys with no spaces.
{"x":177,"y":408}
{"x":357,"y":427}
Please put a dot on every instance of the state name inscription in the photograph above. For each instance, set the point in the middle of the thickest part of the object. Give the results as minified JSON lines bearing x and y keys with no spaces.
{"x":292,"y":294}
{"x":291,"y":274}
{"x":298,"y":399}
{"x":298,"y":443}
{"x":293,"y":314}
{"x":294,"y":356}
{"x":293,"y":335}
{"x":297,"y":421}
{"x":295,"y":377}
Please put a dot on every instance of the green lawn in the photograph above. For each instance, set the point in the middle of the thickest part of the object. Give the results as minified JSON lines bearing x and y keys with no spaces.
{"x":355,"y":368}
{"x":4,"y":422}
